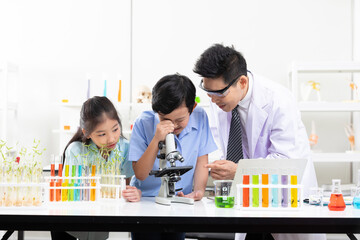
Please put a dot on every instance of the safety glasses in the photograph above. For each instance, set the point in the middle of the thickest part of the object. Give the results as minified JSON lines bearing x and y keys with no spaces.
{"x":219,"y":93}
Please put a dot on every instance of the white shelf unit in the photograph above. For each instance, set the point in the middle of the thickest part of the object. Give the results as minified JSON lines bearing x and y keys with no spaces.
{"x":7,"y":71}
{"x":324,"y":106}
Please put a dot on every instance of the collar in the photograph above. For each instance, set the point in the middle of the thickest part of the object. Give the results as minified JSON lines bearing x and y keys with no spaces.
{"x":192,"y":124}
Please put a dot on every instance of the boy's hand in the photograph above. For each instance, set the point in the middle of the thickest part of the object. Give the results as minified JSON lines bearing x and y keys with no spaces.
{"x":222,"y":169}
{"x":162,"y":129}
{"x":131,"y":194}
{"x":197,"y":195}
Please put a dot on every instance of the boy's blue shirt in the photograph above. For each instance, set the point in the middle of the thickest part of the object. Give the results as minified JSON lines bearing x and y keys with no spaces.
{"x":195,"y":140}
{"x":76,"y":149}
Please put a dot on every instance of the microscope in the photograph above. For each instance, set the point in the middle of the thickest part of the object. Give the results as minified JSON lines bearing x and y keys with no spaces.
{"x":170,"y":175}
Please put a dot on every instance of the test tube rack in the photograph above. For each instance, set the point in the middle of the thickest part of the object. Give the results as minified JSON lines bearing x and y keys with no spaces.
{"x":75,"y":189}
{"x":112,"y":186}
{"x":21,"y":194}
{"x":90,"y":189}
{"x":294,"y":201}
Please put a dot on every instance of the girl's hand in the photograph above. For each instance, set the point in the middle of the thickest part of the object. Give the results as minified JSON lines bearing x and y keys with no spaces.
{"x":197,"y":195}
{"x":131,"y":194}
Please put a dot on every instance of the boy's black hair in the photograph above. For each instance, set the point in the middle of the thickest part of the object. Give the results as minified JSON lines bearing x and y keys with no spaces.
{"x":220,"y":61}
{"x":171,"y":91}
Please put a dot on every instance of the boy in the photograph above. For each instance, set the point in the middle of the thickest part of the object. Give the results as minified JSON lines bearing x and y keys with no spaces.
{"x":174,"y":111}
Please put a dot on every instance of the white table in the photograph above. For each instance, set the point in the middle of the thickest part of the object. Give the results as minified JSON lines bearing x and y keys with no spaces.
{"x":203,"y":216}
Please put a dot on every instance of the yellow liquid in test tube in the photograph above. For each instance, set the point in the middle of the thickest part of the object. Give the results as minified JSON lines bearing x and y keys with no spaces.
{"x":64,"y":192}
{"x":93,"y":184}
{"x":293,"y":191}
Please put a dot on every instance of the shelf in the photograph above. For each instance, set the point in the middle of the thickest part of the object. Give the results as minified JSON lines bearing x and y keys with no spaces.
{"x":116,"y":104}
{"x":11,"y":106}
{"x":9,"y":67}
{"x":314,"y":106}
{"x":323,"y":67}
{"x":336,"y":157}
{"x":64,"y":131}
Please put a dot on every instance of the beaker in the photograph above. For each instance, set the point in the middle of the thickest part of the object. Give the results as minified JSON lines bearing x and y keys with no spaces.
{"x":336,"y":199}
{"x":224,"y":197}
{"x":316,"y":196}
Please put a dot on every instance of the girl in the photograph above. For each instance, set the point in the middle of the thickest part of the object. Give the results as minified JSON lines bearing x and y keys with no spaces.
{"x":101,"y":131}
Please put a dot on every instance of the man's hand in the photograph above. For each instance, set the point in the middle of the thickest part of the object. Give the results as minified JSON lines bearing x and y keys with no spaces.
{"x":222,"y":169}
{"x":197,"y":195}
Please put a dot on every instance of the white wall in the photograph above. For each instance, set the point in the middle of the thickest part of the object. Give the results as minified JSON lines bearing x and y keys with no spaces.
{"x":57,"y":42}
{"x":270,"y":34}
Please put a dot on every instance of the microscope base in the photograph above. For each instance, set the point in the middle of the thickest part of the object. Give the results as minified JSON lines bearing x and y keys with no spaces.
{"x":174,"y":199}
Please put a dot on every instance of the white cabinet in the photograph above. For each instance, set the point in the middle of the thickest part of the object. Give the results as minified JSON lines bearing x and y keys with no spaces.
{"x":9,"y":74}
{"x":302,"y":73}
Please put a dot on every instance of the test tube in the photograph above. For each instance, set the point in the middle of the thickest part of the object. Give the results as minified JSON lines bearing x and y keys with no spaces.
{"x":265,"y":190}
{"x":78,"y":192}
{"x":293,"y":191}
{"x":93,"y":184}
{"x":284,"y":191}
{"x":86,"y":196}
{"x":59,"y":182}
{"x":71,"y":191}
{"x":274,"y":190}
{"x":246,"y":181}
{"x":255,"y":191}
{"x":64,"y":192}
{"x":52,"y":175}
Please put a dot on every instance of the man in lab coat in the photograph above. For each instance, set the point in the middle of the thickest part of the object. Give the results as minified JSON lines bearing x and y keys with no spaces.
{"x":271,"y":125}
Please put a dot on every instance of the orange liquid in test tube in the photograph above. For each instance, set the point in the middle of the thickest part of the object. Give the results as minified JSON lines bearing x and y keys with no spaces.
{"x":52,"y":183}
{"x":246,"y":180}
{"x":265,"y":191}
{"x":59,"y":183}
{"x":93,"y":184}
{"x":119,"y":93}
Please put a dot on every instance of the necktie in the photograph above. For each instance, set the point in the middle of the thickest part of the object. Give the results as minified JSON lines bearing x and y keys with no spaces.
{"x":234,"y":149}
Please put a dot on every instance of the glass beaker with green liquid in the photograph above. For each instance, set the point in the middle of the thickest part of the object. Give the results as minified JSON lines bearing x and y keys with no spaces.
{"x":224,"y":198}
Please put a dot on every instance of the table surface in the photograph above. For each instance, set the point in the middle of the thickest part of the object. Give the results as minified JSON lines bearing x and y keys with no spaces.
{"x":203,"y":216}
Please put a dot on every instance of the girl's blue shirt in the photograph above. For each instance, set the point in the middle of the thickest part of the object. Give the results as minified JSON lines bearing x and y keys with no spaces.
{"x":76,"y":149}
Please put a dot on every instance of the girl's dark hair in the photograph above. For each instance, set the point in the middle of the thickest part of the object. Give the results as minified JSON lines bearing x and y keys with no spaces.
{"x":171,"y":91}
{"x":220,"y":61}
{"x":91,"y":115}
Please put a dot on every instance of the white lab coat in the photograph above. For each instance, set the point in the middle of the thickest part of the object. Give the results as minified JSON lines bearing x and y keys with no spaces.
{"x":273,"y":129}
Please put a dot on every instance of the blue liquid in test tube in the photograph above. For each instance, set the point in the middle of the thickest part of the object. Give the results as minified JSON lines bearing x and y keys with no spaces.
{"x":275,"y":190}
{"x":78,"y":192}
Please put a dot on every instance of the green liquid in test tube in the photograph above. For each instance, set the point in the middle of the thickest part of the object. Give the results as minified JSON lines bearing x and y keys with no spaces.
{"x":255,"y":191}
{"x":72,"y":183}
